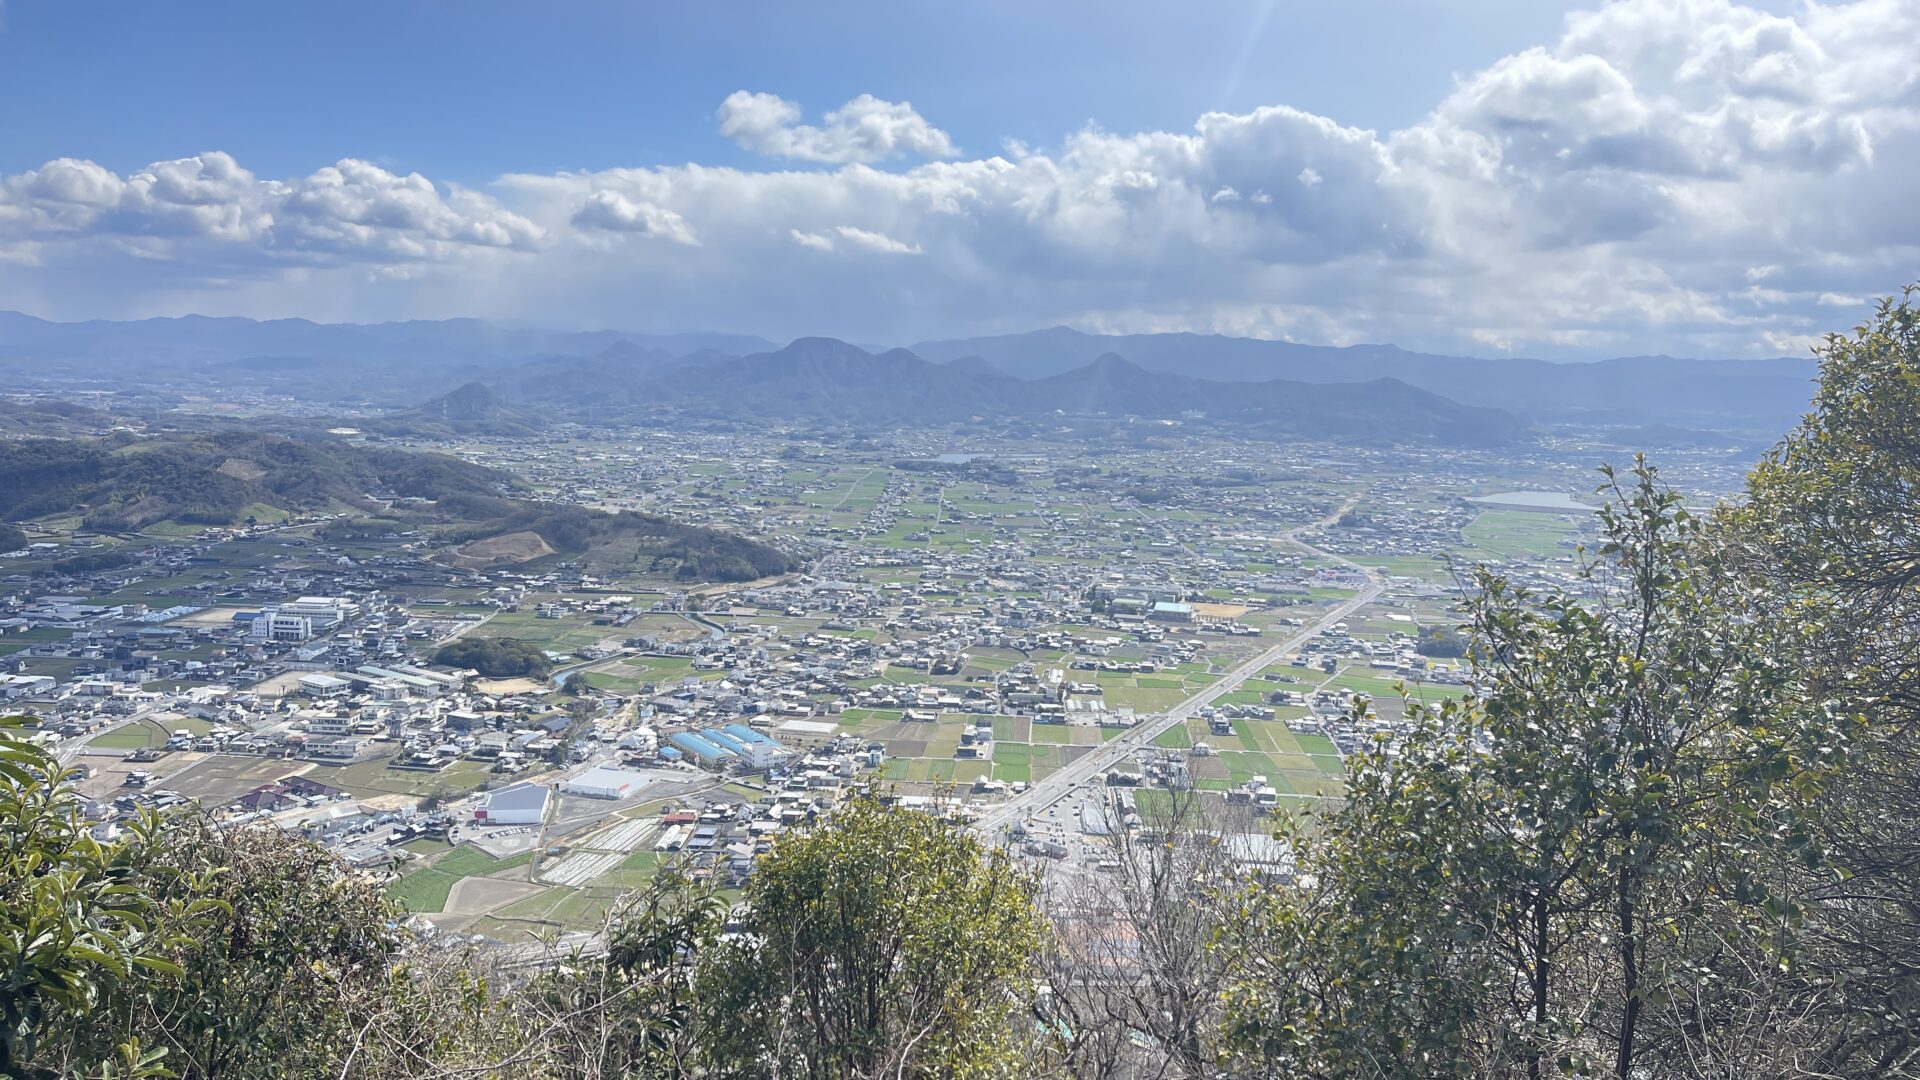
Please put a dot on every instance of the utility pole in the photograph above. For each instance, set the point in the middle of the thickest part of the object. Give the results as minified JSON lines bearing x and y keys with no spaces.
{"x":540,"y":839}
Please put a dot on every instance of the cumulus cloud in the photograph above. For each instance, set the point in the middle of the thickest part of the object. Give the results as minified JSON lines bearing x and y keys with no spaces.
{"x":1668,"y":175}
{"x":614,"y":212}
{"x":210,"y":207}
{"x":865,"y":129}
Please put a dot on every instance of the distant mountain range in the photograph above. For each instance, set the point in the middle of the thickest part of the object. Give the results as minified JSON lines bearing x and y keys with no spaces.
{"x":1280,"y":389}
{"x":208,"y":339}
{"x":309,"y":360}
{"x":827,"y":381}
{"x":1769,"y":393}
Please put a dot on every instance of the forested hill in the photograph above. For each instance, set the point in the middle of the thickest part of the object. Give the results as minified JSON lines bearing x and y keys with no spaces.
{"x":126,"y":484}
{"x":216,"y":479}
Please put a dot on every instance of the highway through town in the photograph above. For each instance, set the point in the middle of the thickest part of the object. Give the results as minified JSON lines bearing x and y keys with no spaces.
{"x":1089,"y":768}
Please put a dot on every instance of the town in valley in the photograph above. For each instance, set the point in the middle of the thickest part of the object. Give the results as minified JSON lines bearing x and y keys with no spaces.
{"x":1045,"y":636}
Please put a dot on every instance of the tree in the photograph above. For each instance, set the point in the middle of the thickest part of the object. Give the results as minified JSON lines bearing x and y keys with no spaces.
{"x":1513,"y":883}
{"x":635,"y":1013}
{"x":495,"y":658}
{"x":74,"y":926}
{"x":1444,"y":642}
{"x":230,"y":1003}
{"x":1831,"y":532}
{"x":885,"y":942}
{"x":1134,"y":975}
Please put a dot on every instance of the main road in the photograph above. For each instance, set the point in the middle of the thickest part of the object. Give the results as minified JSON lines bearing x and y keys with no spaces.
{"x":1091,"y":766}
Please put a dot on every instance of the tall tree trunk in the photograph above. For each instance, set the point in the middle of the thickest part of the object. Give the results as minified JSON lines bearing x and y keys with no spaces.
{"x":1541,"y":980}
{"x":1629,"y":976}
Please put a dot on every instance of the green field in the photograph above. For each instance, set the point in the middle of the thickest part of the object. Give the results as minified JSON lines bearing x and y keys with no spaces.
{"x":1518,"y":534}
{"x":374,"y":778}
{"x":1387,"y":685}
{"x":425,"y":890}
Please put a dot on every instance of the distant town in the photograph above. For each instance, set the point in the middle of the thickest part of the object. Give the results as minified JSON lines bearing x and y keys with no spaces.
{"x":1040,"y":638}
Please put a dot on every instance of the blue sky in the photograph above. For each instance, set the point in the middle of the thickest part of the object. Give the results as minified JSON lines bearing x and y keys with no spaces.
{"x":1470,"y":175}
{"x":464,"y":91}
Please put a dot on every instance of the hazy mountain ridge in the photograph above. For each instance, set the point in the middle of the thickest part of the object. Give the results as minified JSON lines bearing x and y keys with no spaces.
{"x":829,"y":381}
{"x":209,"y":339}
{"x":1767,"y":392}
{"x":608,"y":372}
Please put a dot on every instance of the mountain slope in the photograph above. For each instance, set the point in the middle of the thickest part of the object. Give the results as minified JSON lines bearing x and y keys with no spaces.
{"x":610,"y":371}
{"x":821,"y":380}
{"x":125,"y":484}
{"x":1378,"y":411}
{"x":1768,"y":393}
{"x":612,"y":377}
{"x":214,"y":479}
{"x":832,"y":381}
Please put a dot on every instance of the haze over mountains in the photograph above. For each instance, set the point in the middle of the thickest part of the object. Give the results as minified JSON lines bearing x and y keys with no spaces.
{"x":1365,"y":393}
{"x":1624,"y":389}
{"x":209,"y":338}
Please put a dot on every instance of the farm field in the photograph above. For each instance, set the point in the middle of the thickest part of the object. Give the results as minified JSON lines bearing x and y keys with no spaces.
{"x":1501,"y":534}
{"x":424,"y":888}
{"x":372,"y":778}
{"x":1385,"y":684}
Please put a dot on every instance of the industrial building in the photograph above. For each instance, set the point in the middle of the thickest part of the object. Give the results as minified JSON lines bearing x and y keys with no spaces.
{"x":701,"y":750}
{"x":521,"y":804}
{"x":602,"y":782}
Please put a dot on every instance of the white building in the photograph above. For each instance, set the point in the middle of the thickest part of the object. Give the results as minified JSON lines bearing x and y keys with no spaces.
{"x":14,"y":686}
{"x":602,"y":782}
{"x":325,"y":611}
{"x":276,"y":624}
{"x":318,"y":685}
{"x":521,"y":804}
{"x":763,"y":755}
{"x":325,"y":724}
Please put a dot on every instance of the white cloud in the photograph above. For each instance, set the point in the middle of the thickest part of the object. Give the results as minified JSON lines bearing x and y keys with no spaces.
{"x":210,"y":208}
{"x":1669,"y":175}
{"x":614,"y":212}
{"x":854,"y":239}
{"x":865,"y":129}
{"x":816,"y":241}
{"x":875,"y":242}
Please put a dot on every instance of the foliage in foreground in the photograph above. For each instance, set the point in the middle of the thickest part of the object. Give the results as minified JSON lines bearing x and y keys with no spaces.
{"x":1666,"y":838}
{"x":888,"y":943}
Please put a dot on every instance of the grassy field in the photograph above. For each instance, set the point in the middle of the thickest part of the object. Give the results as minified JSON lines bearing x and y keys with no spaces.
{"x":425,"y":890}
{"x":1517,"y":534}
{"x":1383,"y":684}
{"x":555,"y":635}
{"x":131,"y":737}
{"x":144,"y":734}
{"x":370,"y":778}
